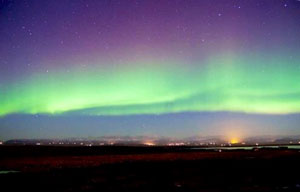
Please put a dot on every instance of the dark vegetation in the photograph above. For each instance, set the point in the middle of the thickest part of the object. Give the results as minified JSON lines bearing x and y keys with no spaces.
{"x":148,"y":169}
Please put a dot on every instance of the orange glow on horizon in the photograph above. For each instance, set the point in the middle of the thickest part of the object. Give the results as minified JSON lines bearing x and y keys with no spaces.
{"x":149,"y":143}
{"x":234,"y":140}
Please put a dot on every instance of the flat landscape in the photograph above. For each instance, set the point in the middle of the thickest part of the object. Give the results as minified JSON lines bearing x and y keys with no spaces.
{"x":112,"y":168}
{"x":149,"y":95}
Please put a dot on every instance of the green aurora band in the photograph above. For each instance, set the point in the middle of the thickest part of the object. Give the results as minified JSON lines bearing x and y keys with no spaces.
{"x":252,"y":84}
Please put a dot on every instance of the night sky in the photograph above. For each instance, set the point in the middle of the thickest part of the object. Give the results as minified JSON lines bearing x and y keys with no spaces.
{"x":80,"y":68}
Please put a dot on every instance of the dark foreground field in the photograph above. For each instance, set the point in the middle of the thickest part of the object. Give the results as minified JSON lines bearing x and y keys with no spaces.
{"x":147,"y":169}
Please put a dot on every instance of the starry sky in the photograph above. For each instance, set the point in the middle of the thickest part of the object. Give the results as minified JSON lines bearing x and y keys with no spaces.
{"x":80,"y":68}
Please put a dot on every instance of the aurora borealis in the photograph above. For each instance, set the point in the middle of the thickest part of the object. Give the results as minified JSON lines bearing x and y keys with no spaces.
{"x":102,"y":61}
{"x":227,"y":83}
